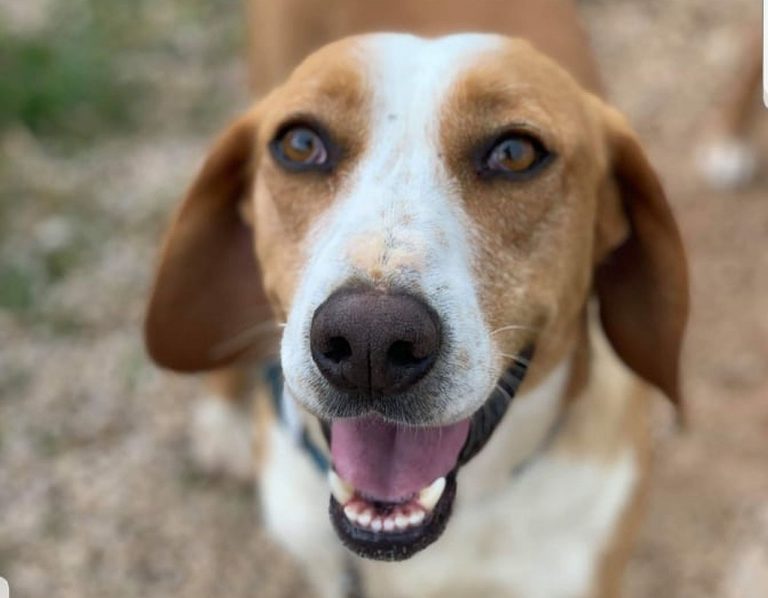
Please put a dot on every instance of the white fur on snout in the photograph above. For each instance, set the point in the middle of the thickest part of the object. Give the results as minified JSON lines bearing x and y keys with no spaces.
{"x":399,"y":223}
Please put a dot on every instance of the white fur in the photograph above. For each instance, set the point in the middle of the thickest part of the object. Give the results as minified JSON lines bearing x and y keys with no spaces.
{"x":402,"y":200}
{"x":222,"y":438}
{"x":294,"y":501}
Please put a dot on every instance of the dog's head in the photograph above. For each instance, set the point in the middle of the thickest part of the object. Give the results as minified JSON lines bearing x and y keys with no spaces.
{"x":421,"y":214}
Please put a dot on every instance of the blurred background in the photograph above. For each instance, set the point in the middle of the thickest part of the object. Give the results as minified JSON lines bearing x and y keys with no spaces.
{"x":106,"y":109}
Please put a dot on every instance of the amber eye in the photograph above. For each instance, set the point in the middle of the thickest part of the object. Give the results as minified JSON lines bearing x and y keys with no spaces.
{"x":300,"y":148}
{"x":515,"y":154}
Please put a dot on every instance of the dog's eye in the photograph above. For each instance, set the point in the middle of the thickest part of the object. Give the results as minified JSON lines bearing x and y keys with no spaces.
{"x":300,"y":148}
{"x":515,"y":154}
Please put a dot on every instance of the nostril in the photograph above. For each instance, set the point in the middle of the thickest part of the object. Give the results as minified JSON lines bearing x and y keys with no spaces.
{"x":338,"y":349}
{"x":402,"y":354}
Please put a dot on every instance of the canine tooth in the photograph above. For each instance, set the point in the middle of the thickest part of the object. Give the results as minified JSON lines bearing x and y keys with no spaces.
{"x":365,"y":518}
{"x":376,"y":524}
{"x":416,"y":518}
{"x":389,"y":524}
{"x":431,"y":494}
{"x":352,"y":512}
{"x":341,"y":491}
{"x":401,"y":521}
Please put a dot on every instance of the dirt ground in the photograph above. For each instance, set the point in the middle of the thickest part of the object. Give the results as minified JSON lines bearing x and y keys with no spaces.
{"x":97,"y":493}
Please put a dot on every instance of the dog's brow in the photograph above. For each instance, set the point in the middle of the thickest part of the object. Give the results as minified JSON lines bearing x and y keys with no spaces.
{"x":488,"y":94}
{"x":339,"y":91}
{"x":338,"y":84}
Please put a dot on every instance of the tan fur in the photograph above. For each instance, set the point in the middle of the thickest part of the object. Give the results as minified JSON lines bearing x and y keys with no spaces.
{"x":600,"y":425}
{"x":285,"y":206}
{"x":522,"y":229}
{"x":283,"y":33}
{"x":738,"y":106}
{"x":232,"y":383}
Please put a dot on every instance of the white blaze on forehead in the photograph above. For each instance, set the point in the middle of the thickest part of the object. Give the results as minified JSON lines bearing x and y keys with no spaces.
{"x":404,"y":210}
{"x":399,"y":222}
{"x":410,"y":78}
{"x":414,"y":74}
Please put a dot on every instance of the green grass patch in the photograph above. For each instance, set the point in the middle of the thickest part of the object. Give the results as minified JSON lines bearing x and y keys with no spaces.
{"x":64,"y":82}
{"x":82,"y":76}
{"x":17,"y":287}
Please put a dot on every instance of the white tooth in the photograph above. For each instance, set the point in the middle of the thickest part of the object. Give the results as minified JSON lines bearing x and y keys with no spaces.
{"x":341,"y":491}
{"x":352,"y":512}
{"x":401,"y":521}
{"x":389,"y":524}
{"x":430,"y":495}
{"x":376,"y":524}
{"x":416,"y":518}
{"x":365,"y":518}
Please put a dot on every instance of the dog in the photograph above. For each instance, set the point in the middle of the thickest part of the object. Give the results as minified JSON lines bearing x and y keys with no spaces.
{"x":476,"y":285}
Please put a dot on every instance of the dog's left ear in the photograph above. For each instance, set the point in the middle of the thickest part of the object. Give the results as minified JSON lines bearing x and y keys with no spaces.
{"x":207,"y":290}
{"x":642,"y":282}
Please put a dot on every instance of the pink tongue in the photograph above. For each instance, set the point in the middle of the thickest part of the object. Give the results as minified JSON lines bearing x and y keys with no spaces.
{"x":390,"y":462}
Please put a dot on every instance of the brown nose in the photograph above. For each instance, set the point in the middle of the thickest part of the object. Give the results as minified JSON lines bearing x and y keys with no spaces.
{"x":373,"y":342}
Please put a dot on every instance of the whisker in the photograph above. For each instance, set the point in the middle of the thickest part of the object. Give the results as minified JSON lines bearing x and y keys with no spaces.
{"x":243,"y":338}
{"x":514,"y":327}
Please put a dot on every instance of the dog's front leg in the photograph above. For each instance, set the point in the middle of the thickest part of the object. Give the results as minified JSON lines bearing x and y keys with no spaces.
{"x":221,"y":437}
{"x":294,"y":501}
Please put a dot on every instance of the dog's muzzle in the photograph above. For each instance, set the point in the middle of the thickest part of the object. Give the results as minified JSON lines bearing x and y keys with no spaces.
{"x":392,"y":484}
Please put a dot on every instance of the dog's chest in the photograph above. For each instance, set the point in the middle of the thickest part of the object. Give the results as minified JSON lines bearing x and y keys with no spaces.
{"x":541,"y":531}
{"x":541,"y":537}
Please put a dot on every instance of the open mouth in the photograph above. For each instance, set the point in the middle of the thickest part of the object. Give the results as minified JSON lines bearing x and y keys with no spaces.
{"x":393,"y":486}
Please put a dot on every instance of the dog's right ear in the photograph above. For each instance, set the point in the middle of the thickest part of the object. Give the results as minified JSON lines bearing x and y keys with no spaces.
{"x":207,"y":295}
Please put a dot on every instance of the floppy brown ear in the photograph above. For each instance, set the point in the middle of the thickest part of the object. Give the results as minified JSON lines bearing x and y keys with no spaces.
{"x":207,"y":291}
{"x":642,"y":284}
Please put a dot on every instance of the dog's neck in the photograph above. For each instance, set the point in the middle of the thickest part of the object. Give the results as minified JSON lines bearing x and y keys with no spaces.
{"x":534,"y":419}
{"x":524,"y":431}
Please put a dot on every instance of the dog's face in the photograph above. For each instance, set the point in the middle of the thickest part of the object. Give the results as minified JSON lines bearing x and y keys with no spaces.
{"x":437,"y":170}
{"x":424,"y":215}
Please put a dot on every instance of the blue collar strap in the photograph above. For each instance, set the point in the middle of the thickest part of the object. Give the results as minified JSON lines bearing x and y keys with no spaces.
{"x":274,"y":377}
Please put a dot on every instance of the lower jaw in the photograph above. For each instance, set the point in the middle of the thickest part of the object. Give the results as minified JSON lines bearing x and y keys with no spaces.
{"x":395,"y":545}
